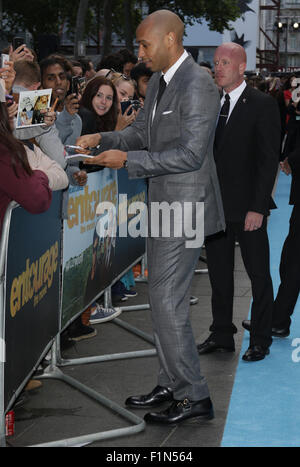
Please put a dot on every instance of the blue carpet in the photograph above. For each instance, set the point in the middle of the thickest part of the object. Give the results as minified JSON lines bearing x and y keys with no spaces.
{"x":264,"y":409}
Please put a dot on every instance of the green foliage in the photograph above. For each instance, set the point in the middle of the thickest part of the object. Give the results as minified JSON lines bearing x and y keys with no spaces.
{"x":38,"y":16}
{"x":50,"y":16}
{"x":218,"y":13}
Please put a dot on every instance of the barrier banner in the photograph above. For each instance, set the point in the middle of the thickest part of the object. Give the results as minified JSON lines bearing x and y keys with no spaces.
{"x":94,"y":254}
{"x":32,"y":290}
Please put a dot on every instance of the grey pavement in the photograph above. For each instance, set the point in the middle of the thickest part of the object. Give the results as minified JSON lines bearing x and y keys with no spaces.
{"x":57,"y":411}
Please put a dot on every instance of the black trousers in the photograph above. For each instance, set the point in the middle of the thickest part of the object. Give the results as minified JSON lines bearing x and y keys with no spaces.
{"x":289,"y":270}
{"x":220,"y":250}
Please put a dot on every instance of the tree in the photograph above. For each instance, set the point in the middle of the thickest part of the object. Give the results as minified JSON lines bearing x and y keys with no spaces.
{"x":85,"y":19}
{"x":107,"y":17}
{"x":37,"y":16}
{"x":218,"y":13}
{"x":80,"y":24}
{"x":128,"y":24}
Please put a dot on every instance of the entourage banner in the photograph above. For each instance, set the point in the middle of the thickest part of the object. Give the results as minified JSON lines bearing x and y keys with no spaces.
{"x":32,"y":290}
{"x":93,"y":252}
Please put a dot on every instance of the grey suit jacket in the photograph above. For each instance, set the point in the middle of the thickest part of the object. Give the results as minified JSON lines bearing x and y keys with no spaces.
{"x":175,"y":150}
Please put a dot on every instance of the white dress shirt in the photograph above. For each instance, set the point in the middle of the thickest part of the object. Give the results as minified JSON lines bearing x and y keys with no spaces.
{"x":234,"y":96}
{"x":171,"y":72}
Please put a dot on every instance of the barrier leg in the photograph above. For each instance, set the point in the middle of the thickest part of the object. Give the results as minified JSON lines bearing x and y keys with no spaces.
{"x":2,"y":410}
{"x":110,"y":357}
{"x":142,"y":277}
{"x":204,"y":270}
{"x":53,"y":372}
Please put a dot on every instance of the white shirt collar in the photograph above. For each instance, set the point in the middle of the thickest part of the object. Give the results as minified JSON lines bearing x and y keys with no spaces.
{"x":171,"y":71}
{"x":236,"y":93}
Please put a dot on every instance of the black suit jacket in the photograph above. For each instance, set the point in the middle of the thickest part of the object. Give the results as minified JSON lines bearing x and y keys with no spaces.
{"x":248,"y":154}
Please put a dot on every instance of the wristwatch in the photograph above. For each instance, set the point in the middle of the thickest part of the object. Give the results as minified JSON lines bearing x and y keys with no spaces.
{"x":125,"y":164}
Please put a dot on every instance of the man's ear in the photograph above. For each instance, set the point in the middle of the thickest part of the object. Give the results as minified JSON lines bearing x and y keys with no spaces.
{"x":242,"y":68}
{"x":171,"y":38}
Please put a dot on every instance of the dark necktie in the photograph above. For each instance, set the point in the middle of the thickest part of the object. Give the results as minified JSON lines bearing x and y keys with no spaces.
{"x":161,"y":89}
{"x":222,"y":120}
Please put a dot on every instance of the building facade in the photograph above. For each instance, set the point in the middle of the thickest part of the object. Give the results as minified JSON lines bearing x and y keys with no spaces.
{"x":279,"y":39}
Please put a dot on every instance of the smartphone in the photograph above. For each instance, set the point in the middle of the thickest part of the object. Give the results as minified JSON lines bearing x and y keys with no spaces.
{"x":9,"y":100}
{"x":124,"y":107}
{"x":125,"y":104}
{"x":77,"y":85}
{"x":4,"y":58}
{"x":17,"y":41}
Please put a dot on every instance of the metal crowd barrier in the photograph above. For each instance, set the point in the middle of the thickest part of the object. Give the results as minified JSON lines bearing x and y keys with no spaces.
{"x":53,"y":371}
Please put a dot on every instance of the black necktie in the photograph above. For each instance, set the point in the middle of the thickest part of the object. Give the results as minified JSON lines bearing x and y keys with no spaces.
{"x":222,"y":120}
{"x":162,"y":87}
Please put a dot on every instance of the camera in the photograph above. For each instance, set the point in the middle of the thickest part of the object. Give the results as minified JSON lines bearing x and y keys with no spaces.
{"x":9,"y":100}
{"x":77,"y":85}
{"x":17,"y":41}
{"x":135,"y":105}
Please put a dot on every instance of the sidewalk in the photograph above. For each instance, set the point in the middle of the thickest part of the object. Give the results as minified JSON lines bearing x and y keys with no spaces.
{"x":57,"y":411}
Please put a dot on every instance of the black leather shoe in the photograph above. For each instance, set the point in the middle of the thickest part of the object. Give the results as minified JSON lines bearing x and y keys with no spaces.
{"x":180,"y":411}
{"x":158,"y":396}
{"x":276,"y":332}
{"x":210,"y":346}
{"x":255,"y":353}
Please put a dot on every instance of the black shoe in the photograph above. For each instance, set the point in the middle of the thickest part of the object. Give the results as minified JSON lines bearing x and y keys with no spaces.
{"x":276,"y":332}
{"x":210,"y":346}
{"x":82,"y":332}
{"x":158,"y":396}
{"x":182,"y":410}
{"x":255,"y":353}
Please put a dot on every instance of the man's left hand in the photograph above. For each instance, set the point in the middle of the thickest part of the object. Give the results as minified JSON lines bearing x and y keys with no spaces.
{"x":114,"y":159}
{"x":253,"y":221}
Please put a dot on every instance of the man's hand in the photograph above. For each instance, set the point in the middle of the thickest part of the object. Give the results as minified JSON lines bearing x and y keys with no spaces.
{"x":253,"y":221}
{"x":80,"y":177}
{"x":88,"y":141}
{"x":124,"y":120}
{"x":21,"y":53}
{"x":114,"y":159}
{"x":49,"y":117}
{"x":285,"y":166}
{"x":72,"y":104}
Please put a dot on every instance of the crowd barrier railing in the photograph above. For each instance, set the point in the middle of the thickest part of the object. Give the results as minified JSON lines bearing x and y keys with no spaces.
{"x":37,"y":262}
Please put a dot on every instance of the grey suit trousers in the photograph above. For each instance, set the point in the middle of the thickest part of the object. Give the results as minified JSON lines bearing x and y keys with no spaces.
{"x":171,"y":268}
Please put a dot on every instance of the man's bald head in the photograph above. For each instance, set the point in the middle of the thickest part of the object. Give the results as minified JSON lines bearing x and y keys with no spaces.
{"x":230,"y":64}
{"x":164,"y":22}
{"x":160,"y":40}
{"x":236,"y":51}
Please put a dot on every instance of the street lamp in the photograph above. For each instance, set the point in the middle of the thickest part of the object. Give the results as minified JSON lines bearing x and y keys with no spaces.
{"x":287,"y":23}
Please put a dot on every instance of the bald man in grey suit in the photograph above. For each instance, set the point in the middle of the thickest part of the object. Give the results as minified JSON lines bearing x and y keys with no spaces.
{"x":177,"y":127}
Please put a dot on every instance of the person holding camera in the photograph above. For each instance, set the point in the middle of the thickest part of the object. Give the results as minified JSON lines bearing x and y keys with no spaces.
{"x":99,"y":106}
{"x":55,"y":76}
{"x":125,"y":90}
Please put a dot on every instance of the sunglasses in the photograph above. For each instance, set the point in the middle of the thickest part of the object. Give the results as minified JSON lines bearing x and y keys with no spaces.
{"x":117,"y":73}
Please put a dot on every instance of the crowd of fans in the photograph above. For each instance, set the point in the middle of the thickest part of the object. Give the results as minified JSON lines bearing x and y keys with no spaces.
{"x":83,"y":101}
{"x":86,"y":100}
